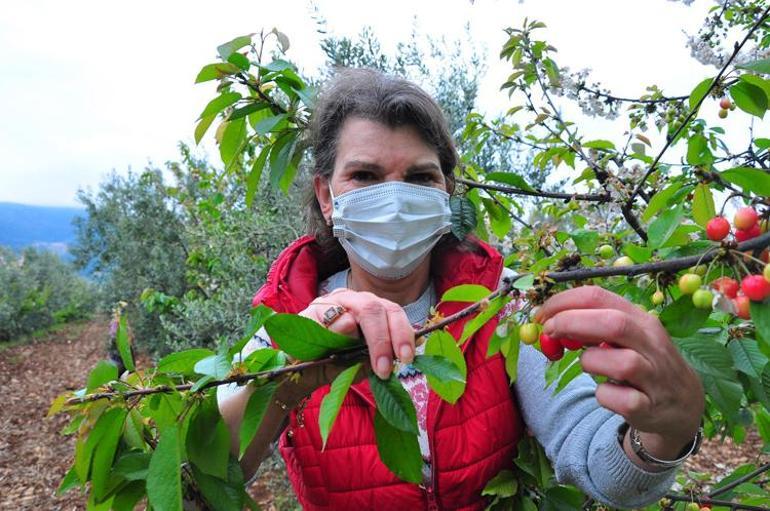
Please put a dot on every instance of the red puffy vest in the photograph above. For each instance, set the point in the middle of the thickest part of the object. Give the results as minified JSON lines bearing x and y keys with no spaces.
{"x":470,"y":441}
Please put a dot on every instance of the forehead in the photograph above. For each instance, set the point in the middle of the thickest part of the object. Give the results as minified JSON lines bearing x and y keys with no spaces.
{"x":366,"y":140}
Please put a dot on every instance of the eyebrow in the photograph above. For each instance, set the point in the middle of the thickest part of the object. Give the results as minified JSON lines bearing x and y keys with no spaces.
{"x":367,"y":165}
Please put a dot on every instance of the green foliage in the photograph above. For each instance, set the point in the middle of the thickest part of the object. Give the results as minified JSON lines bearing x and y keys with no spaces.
{"x":37,"y":290}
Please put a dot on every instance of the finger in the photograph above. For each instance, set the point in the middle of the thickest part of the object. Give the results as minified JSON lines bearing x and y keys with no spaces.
{"x":619,"y":364}
{"x":371,"y":316}
{"x":629,"y":402}
{"x":401,"y":332}
{"x":345,"y":323}
{"x":584,"y":297}
{"x":592,"y":326}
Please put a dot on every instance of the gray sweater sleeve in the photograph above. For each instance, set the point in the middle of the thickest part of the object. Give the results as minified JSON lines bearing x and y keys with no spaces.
{"x":580,"y":438}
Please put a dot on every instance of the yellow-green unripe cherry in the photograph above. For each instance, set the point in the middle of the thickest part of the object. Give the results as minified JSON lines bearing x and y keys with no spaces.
{"x":623,"y":261}
{"x":703,"y":299}
{"x":658,"y":297}
{"x":699,"y":270}
{"x":689,"y":283}
{"x":606,"y":251}
{"x":529,"y":332}
{"x":766,"y":272}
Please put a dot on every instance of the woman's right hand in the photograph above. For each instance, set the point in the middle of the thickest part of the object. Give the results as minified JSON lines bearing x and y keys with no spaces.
{"x":381,"y":323}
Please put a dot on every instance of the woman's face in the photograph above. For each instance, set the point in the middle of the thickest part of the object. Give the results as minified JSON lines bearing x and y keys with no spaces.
{"x":369,"y":152}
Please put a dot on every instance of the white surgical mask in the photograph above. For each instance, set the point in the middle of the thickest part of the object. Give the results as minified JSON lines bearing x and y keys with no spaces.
{"x":389,"y":228}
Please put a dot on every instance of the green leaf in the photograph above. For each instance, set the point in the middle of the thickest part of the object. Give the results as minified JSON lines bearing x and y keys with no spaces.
{"x":303,"y":338}
{"x":659,"y":200}
{"x":463,"y":216}
{"x":124,"y":347}
{"x":247,"y":110}
{"x":504,"y":484}
{"x":681,"y":318}
{"x":466,"y":293}
{"x":698,"y":152}
{"x":104,"y":454}
{"x":280,"y":160}
{"x":751,"y":180}
{"x":255,"y":175}
{"x":394,"y":403}
{"x":208,"y":439}
{"x":747,"y":357}
{"x":133,"y":466}
{"x":219,"y":103}
{"x":525,"y":282}
{"x":511,"y":348}
{"x":439,"y":367}
{"x":443,"y":344}
{"x":259,"y":315}
{"x":222,"y":495}
{"x":499,"y":219}
{"x":217,"y":366}
{"x":70,"y":481}
{"x":509,"y":178}
{"x":749,"y":98}
{"x":399,"y":450}
{"x":599,"y":144}
{"x":562,"y":498}
{"x":759,"y":66}
{"x":481,"y":319}
{"x":216,"y":71}
{"x":664,"y":226}
{"x":586,"y":241}
{"x":332,"y":402}
{"x":232,"y":138}
{"x":265,"y":359}
{"x":703,"y":208}
{"x":105,"y":371}
{"x":699,"y":92}
{"x":129,"y":496}
{"x":226,"y":49}
{"x":637,"y":253}
{"x":253,"y":414}
{"x":267,"y":124}
{"x":760,"y":314}
{"x":239,"y":60}
{"x":164,"y":478}
{"x":183,"y":362}
{"x":202,"y":127}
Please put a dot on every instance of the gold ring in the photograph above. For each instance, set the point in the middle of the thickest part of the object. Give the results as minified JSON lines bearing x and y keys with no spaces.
{"x":332,"y":314}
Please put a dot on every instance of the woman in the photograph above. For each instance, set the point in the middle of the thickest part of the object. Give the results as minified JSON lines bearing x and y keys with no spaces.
{"x":375,"y":260}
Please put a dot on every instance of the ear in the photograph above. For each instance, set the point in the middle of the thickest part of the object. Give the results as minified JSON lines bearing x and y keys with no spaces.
{"x":324,"y":198}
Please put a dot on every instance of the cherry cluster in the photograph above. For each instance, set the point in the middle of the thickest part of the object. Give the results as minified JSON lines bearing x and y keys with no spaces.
{"x":552,"y":347}
{"x":747,"y":226}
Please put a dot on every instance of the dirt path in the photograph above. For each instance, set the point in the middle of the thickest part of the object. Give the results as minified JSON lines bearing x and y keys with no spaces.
{"x":34,"y":456}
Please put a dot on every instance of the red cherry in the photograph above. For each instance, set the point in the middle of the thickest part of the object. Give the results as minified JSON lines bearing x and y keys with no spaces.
{"x":717,"y":228}
{"x":742,"y":235}
{"x":551,"y":347}
{"x":727,"y":286}
{"x":745,"y":218}
{"x":742,"y":307}
{"x":755,"y":287}
{"x":725,"y":103}
{"x":571,"y":344}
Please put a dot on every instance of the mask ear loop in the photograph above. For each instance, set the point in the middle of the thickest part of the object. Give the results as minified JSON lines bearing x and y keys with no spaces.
{"x":331,"y":193}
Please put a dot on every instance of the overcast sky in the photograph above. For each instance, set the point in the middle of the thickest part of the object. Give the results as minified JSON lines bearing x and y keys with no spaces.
{"x":91,"y":86}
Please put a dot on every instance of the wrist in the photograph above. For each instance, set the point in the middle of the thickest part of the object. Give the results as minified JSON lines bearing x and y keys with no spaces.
{"x":656,"y":452}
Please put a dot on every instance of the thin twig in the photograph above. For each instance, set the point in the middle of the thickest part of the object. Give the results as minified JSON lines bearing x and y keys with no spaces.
{"x":740,"y":480}
{"x":604,"y":197}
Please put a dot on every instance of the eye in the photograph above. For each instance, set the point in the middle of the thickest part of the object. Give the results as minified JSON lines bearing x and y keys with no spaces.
{"x":363,"y":176}
{"x":422,"y":178}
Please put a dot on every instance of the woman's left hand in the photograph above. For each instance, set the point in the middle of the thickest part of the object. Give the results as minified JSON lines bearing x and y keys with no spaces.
{"x":660,"y":394}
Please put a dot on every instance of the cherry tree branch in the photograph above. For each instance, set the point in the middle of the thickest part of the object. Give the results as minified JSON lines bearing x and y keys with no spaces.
{"x":670,"y":140}
{"x":604,"y":197}
{"x":358,"y":353}
{"x":715,"y":502}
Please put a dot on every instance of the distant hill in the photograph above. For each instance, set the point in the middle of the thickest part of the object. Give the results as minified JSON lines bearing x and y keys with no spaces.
{"x":48,"y":227}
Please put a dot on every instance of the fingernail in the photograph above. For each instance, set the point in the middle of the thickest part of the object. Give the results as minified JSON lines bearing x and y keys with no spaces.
{"x":405,"y":354}
{"x":383,"y":367}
